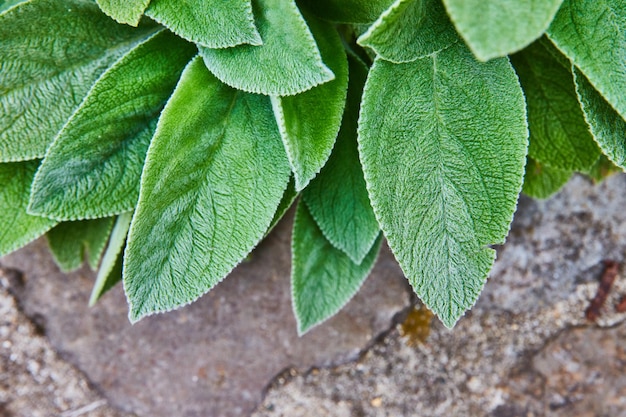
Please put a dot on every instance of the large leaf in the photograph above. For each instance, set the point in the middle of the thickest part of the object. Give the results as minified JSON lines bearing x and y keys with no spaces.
{"x":93,"y":167}
{"x":124,"y":11}
{"x":287,"y":63}
{"x":17,"y":228}
{"x":211,"y":23}
{"x":72,"y":242}
{"x":593,"y":35}
{"x":559,"y":135}
{"x":410,"y":29}
{"x":214,"y":176}
{"x":347,"y":11}
{"x":323,"y":278}
{"x":309,"y":121}
{"x":110,"y":271}
{"x":608,"y":128}
{"x":443,"y":144}
{"x":337,"y":198}
{"x":52,"y":52}
{"x":494,"y":28}
{"x":542,"y":181}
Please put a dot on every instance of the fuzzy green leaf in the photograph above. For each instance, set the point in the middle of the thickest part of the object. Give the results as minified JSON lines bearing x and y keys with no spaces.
{"x":124,"y":11}
{"x":347,"y":11}
{"x":542,"y":181}
{"x":6,"y":4}
{"x":289,"y":196}
{"x":593,"y":35}
{"x":323,"y":278}
{"x":309,"y":121}
{"x":211,"y":23}
{"x":494,"y":28}
{"x":52,"y":53}
{"x":110,"y":271}
{"x":337,"y":198}
{"x":17,"y":228}
{"x":608,"y":128}
{"x":559,"y":135}
{"x":287,"y":63}
{"x":215,"y":173}
{"x":443,"y":143}
{"x":410,"y":29}
{"x":72,"y":242}
{"x":93,"y":167}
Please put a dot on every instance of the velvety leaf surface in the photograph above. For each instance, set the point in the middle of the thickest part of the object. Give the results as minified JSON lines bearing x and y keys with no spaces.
{"x":494,"y":28}
{"x":215,"y":173}
{"x":17,"y":228}
{"x":410,"y":29}
{"x":52,"y":53}
{"x":443,"y":143}
{"x":608,"y":127}
{"x":337,"y":198}
{"x":72,"y":242}
{"x":124,"y":11}
{"x":110,"y":271}
{"x":542,"y":181}
{"x":289,"y":196}
{"x":211,"y":23}
{"x":559,"y":135}
{"x":287,"y":63}
{"x":323,"y":278}
{"x":347,"y":11}
{"x":309,"y":121}
{"x":93,"y":167}
{"x":593,"y":35}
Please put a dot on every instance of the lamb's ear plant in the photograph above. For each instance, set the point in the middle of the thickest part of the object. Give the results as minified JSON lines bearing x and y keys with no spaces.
{"x":162,"y":140}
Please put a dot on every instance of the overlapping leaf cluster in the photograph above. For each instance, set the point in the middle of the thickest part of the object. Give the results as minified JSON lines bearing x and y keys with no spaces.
{"x":164,"y":146}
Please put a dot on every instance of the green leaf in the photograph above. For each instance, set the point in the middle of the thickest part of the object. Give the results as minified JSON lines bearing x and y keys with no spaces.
{"x":608,"y":127}
{"x":287,"y":63}
{"x":309,"y":121}
{"x":542,"y":181}
{"x":443,"y":143}
{"x":17,"y":228}
{"x":211,"y":23}
{"x":323,"y":278}
{"x":602,"y":169}
{"x":337,"y":198}
{"x":494,"y":28}
{"x":52,"y":53}
{"x":347,"y":11}
{"x":110,"y":271}
{"x":7,"y":4}
{"x":593,"y":35}
{"x":559,"y":135}
{"x":124,"y":11}
{"x":289,"y":196}
{"x":215,"y":173}
{"x":93,"y":167}
{"x":72,"y":242}
{"x":410,"y":29}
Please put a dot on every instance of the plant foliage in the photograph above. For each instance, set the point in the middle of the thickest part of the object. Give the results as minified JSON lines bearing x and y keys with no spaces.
{"x":162,"y":140}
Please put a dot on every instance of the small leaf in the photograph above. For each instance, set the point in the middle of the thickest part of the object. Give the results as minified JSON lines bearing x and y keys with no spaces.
{"x":559,"y":135}
{"x":124,"y":11}
{"x":17,"y":228}
{"x":210,"y":23}
{"x":542,"y":181}
{"x":52,"y":53}
{"x":215,"y":173}
{"x":93,"y":167}
{"x":347,"y":11}
{"x":608,"y":127}
{"x":309,"y":121}
{"x":72,"y":242}
{"x":110,"y":271}
{"x":289,"y":196}
{"x":593,"y":35}
{"x":410,"y":29}
{"x":287,"y":63}
{"x":337,"y":198}
{"x":495,"y":28}
{"x":323,"y":278}
{"x":443,"y":143}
